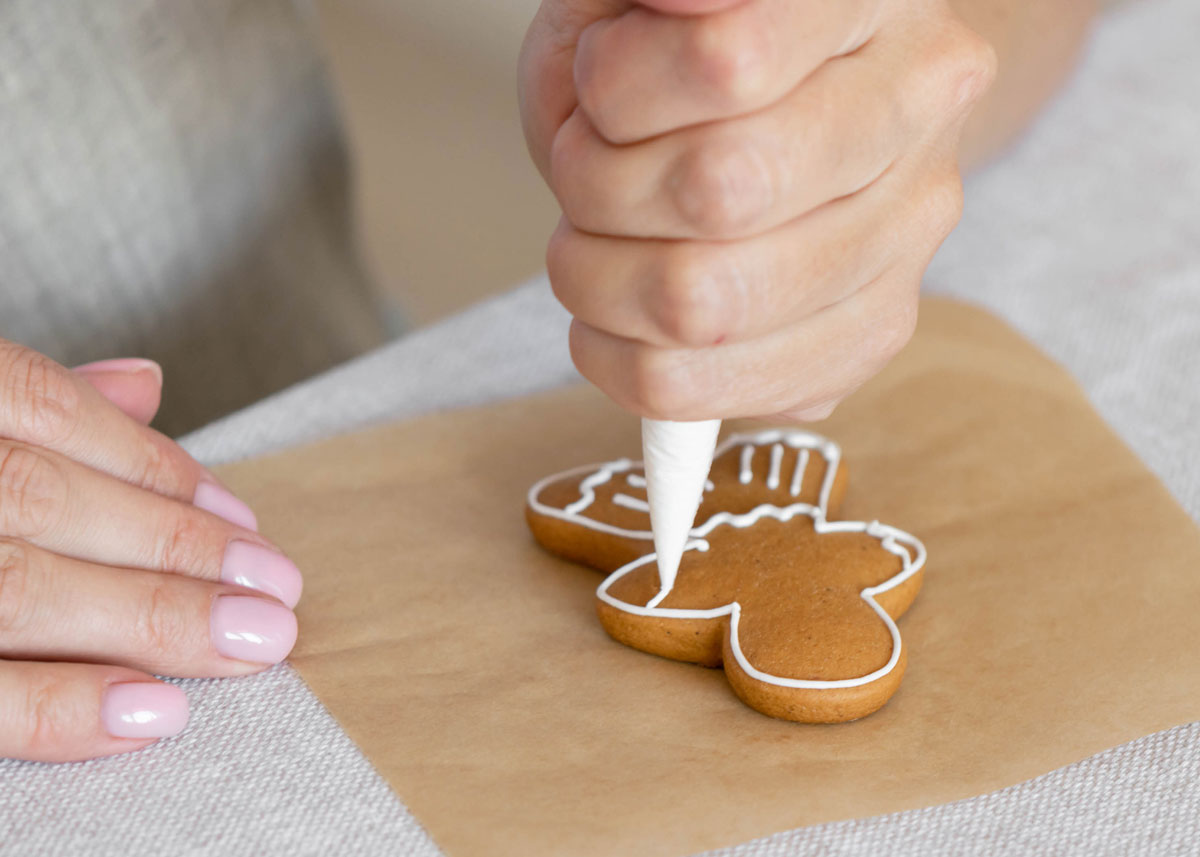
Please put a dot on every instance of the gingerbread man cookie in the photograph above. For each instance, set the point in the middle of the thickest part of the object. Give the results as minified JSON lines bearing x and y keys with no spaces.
{"x":799,"y":609}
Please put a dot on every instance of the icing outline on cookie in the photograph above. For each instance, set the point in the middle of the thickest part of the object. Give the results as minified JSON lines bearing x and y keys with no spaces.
{"x":895,"y":541}
{"x":600,"y":474}
{"x":907,"y":547}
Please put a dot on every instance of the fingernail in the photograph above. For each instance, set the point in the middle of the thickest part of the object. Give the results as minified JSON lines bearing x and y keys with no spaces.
{"x":211,"y":497}
{"x":257,"y":567}
{"x":252,"y":629}
{"x":127,"y":365}
{"x":143,"y":709}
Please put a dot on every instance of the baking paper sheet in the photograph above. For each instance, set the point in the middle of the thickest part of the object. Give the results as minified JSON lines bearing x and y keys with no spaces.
{"x":1058,"y":616}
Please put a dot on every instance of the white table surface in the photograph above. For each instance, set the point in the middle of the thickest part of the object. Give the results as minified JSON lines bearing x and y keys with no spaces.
{"x":1086,"y":237}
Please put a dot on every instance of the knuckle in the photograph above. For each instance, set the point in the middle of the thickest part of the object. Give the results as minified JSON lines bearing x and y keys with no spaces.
{"x":977,"y":62}
{"x":45,"y":725}
{"x":32,"y":488}
{"x":722,"y":187}
{"x":812,"y":413}
{"x":14,"y":587}
{"x":160,"y":622}
{"x":560,"y":263}
{"x":595,"y":86}
{"x":732,"y":58}
{"x":154,"y":470}
{"x":39,"y":395}
{"x":943,"y":205}
{"x":895,"y":328}
{"x":693,"y":302}
{"x":861,"y":20}
{"x":184,"y":547}
{"x":568,"y":158}
{"x":963,"y":66}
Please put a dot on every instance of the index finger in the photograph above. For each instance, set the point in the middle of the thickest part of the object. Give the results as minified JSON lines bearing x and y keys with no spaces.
{"x":643,"y":74}
{"x":46,"y":405}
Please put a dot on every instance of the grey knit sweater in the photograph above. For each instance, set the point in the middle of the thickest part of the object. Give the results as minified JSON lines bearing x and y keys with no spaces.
{"x":173,"y":185}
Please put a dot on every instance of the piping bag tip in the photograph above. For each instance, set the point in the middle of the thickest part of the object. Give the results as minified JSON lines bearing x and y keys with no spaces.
{"x":677,"y":457}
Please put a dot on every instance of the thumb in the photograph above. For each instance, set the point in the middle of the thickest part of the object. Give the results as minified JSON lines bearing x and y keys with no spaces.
{"x":133,"y":384}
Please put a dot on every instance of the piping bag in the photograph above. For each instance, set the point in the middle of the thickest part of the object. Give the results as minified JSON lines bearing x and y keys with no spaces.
{"x":677,"y":457}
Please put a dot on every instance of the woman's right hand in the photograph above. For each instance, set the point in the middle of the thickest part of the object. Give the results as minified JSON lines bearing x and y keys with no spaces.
{"x":120,"y":557}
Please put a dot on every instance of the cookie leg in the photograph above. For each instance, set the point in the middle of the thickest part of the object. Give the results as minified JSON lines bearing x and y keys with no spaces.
{"x":809,"y":705}
{"x":696,"y":641}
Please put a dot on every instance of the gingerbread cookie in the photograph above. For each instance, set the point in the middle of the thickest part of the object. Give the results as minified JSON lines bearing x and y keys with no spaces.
{"x":799,"y":609}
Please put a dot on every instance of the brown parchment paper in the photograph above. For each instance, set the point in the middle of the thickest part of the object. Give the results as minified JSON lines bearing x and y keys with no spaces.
{"x":1057,"y":617}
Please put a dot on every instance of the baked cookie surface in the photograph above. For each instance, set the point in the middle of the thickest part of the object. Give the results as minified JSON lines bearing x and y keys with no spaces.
{"x":799,"y":608}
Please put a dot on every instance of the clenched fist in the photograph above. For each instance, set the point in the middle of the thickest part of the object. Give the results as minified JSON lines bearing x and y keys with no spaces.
{"x":751,"y":189}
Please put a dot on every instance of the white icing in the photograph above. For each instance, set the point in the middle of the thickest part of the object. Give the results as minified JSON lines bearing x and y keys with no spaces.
{"x":676,"y":460}
{"x":907,"y":547}
{"x":798,"y":472}
{"x":745,"y":473}
{"x":598,"y":474}
{"x":587,"y":494}
{"x":572,"y":512}
{"x":631,"y":503}
{"x":776,"y":464}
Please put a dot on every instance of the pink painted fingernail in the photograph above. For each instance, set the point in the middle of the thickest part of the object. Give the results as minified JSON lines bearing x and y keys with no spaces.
{"x":252,"y":629}
{"x":257,"y":567}
{"x":127,"y":365}
{"x":211,"y":497}
{"x":143,"y":709}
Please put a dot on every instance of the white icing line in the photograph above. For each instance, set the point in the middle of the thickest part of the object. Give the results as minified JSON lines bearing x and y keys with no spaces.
{"x":776,"y":464}
{"x":745,"y":474}
{"x":798,"y":472}
{"x":601,"y":473}
{"x":571,"y":512}
{"x":893,"y":540}
{"x":631,"y":503}
{"x":587,"y":494}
